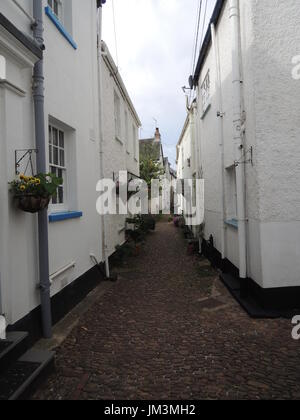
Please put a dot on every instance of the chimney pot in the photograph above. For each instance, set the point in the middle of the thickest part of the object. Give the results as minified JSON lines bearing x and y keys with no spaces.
{"x":157,"y":135}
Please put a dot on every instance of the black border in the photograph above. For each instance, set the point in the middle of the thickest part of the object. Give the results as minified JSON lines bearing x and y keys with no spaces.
{"x":273,"y":299}
{"x":61,"y":304}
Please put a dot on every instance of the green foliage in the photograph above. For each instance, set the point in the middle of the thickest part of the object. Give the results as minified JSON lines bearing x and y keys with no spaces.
{"x":41,"y":185}
{"x":142,"y":225}
{"x":149,"y":167}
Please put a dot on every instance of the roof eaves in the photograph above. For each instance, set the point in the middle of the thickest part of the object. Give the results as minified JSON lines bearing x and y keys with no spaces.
{"x":207,"y":40}
{"x":115,"y":72}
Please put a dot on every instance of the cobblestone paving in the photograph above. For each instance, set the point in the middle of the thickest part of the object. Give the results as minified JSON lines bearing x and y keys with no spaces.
{"x":168,"y":329}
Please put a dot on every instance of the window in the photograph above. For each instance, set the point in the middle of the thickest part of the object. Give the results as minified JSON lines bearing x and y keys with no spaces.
{"x":117,"y":104}
{"x":56,"y":6}
{"x":57,"y":163}
{"x":127,"y":131}
{"x":205,"y":92}
{"x":231,"y":193}
{"x":60,"y":12}
{"x":134,"y":135}
{"x":194,"y":197}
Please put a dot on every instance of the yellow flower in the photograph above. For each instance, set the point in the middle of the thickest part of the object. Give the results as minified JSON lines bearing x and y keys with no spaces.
{"x":38,"y":181}
{"x":22,"y":188}
{"x":22,"y":177}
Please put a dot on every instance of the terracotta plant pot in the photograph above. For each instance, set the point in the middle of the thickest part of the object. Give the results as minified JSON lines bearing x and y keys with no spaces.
{"x":31,"y":203}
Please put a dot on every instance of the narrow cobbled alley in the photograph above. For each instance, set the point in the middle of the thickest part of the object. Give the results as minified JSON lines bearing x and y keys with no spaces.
{"x":168,"y":329}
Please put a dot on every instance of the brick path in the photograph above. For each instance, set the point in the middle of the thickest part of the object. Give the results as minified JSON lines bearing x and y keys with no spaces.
{"x":168,"y":329}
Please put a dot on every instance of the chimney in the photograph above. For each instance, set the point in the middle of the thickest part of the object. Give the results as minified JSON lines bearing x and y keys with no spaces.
{"x":157,"y":135}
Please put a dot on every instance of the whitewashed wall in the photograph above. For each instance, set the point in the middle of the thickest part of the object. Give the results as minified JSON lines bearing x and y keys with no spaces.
{"x":118,"y":153}
{"x":18,"y":231}
{"x":185,"y":153}
{"x":71,"y":101}
{"x":269,"y":40}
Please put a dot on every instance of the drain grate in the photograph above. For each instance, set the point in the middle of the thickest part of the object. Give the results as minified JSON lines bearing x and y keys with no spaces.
{"x":14,"y":377}
{"x":4,"y":345}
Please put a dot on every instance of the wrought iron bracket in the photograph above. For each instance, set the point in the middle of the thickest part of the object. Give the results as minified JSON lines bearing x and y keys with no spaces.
{"x":21,"y":156}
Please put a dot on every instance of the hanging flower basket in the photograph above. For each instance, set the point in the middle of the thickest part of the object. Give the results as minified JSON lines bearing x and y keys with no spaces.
{"x":31,"y":203}
{"x":33,"y":194}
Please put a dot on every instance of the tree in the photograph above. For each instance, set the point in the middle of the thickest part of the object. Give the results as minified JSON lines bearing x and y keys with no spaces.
{"x":149,"y":167}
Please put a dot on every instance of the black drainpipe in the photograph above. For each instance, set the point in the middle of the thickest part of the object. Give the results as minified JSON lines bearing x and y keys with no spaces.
{"x":38,"y":96}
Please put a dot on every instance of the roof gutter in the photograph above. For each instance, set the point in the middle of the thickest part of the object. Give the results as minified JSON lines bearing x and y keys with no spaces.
{"x":207,"y":40}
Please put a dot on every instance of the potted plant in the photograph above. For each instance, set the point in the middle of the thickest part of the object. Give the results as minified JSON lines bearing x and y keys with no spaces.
{"x":33,"y":193}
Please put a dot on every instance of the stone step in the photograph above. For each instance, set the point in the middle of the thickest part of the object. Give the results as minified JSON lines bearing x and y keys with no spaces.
{"x":25,"y":374}
{"x":12,"y":348}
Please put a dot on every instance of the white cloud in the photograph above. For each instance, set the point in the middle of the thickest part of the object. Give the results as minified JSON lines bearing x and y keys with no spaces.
{"x":155,"y":45}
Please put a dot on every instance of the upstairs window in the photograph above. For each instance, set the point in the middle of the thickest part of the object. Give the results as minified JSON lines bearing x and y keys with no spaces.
{"x":134,"y":135}
{"x":57,"y":8}
{"x":205,"y":92}
{"x":127,"y":132}
{"x":117,"y":105}
{"x":57,"y":163}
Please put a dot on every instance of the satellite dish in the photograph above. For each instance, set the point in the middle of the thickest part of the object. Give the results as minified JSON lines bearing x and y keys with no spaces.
{"x":191,"y":82}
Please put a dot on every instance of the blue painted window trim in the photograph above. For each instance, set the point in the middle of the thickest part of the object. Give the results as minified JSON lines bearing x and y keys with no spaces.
{"x":233,"y":223}
{"x":67,"y":215}
{"x":60,"y":27}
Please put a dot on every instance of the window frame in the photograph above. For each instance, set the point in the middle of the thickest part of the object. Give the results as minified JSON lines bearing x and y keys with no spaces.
{"x":117,"y":116}
{"x":205,"y":92}
{"x":232,"y":204}
{"x":134,"y":137}
{"x":63,"y":206}
{"x":127,"y":131}
{"x":60,"y":10}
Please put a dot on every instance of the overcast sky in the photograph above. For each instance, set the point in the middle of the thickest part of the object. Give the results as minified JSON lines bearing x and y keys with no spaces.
{"x":154,"y":49}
